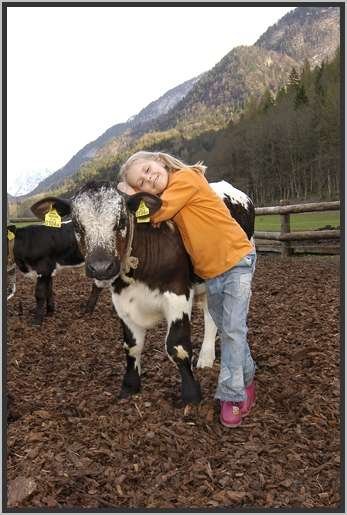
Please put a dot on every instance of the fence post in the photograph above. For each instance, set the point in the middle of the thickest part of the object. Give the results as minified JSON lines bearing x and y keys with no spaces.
{"x":286,"y":250}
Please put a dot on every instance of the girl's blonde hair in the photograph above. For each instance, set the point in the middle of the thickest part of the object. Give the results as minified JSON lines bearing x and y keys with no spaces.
{"x":172,"y":164}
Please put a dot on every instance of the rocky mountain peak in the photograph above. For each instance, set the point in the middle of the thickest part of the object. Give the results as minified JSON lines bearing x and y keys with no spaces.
{"x":311,"y":33}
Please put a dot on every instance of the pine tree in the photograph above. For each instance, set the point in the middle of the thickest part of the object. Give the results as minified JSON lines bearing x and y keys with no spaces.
{"x":281,"y":94}
{"x":301,"y":97}
{"x":267,"y":101}
{"x":251,"y":108}
{"x":306,"y":74}
{"x":293,"y":79}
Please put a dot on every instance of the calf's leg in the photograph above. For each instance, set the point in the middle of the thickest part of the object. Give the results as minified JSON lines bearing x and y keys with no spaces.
{"x":179,"y":349}
{"x":50,"y":296}
{"x":41,"y":293}
{"x":92,"y":300}
{"x":207,"y":351}
{"x":134,"y":337}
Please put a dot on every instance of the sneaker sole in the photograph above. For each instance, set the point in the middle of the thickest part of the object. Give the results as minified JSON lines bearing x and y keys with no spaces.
{"x":229,"y":425}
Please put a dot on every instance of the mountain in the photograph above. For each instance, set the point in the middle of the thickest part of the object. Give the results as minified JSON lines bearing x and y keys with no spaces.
{"x":212,"y":101}
{"x":311,"y":33}
{"x":222,"y":92}
{"x":153,"y":110}
{"x":163,"y":104}
{"x":27,"y":183}
{"x":85,"y":154}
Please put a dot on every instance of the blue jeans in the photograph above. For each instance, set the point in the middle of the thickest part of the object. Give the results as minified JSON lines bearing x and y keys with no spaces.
{"x":228,"y":297}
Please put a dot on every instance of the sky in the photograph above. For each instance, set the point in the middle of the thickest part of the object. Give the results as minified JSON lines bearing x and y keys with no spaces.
{"x":73,"y":72}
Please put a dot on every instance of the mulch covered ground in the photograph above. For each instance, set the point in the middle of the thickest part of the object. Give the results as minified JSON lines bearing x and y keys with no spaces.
{"x":73,"y":444}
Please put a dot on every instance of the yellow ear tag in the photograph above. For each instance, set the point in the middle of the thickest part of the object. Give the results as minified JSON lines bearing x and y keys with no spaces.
{"x":52,"y":219}
{"x":10,"y":235}
{"x":142,"y":213}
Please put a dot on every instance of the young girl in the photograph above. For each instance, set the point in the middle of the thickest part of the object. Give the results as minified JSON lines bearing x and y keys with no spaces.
{"x":220,"y":253}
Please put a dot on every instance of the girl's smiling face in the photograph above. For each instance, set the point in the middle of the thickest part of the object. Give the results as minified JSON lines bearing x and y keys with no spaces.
{"x":147,"y":175}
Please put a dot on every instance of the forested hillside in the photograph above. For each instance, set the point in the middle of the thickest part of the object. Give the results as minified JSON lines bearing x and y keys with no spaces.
{"x":263,"y":118}
{"x":285,"y":146}
{"x":221,"y":93}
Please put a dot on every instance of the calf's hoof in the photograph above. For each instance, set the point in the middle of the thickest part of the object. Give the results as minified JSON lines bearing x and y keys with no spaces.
{"x":86,"y":310}
{"x":124,"y":394}
{"x":37,"y":321}
{"x":131,"y":382}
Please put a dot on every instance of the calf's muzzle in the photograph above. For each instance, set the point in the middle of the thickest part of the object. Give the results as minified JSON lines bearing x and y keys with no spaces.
{"x":102,"y":267}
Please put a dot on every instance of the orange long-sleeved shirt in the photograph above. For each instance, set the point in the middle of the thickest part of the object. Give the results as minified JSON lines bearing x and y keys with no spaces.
{"x":212,"y":238}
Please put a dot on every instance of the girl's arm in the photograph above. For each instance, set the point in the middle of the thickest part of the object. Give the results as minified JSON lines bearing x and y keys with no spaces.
{"x":175,"y":197}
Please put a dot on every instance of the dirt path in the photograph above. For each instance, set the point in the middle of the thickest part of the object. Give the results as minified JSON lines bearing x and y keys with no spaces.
{"x":72,"y":443}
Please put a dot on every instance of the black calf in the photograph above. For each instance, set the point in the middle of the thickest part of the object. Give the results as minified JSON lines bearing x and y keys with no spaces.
{"x":39,"y":251}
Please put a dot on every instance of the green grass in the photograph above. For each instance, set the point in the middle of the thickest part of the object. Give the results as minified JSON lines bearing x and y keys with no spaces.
{"x":298,"y":221}
{"x":24,"y":224}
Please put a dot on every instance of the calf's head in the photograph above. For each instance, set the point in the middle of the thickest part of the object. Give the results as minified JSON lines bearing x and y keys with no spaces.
{"x":101,"y":219}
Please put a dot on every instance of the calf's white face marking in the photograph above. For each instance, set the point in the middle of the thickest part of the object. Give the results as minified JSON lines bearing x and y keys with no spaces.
{"x":99,"y":212}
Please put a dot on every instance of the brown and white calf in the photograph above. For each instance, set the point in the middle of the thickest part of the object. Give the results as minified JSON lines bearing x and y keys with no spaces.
{"x":148,"y":271}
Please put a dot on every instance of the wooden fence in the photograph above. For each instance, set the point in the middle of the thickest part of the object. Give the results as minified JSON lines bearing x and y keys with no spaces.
{"x":286,"y":242}
{"x":24,"y":220}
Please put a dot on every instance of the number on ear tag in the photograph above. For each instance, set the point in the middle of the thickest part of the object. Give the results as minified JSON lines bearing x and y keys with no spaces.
{"x":52,"y":219}
{"x":142,"y":213}
{"x":10,"y":235}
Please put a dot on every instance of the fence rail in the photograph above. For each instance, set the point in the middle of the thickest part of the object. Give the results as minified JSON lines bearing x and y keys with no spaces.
{"x":23,"y":220}
{"x":297,"y":208}
{"x":302,"y":235}
{"x":283,"y":239}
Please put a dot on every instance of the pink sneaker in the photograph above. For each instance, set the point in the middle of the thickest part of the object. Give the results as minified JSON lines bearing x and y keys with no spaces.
{"x":230,"y":414}
{"x":247,"y":405}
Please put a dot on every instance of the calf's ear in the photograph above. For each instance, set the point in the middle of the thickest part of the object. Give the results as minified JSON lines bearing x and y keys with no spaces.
{"x":43,"y":206}
{"x":152,"y":202}
{"x":11,"y":228}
